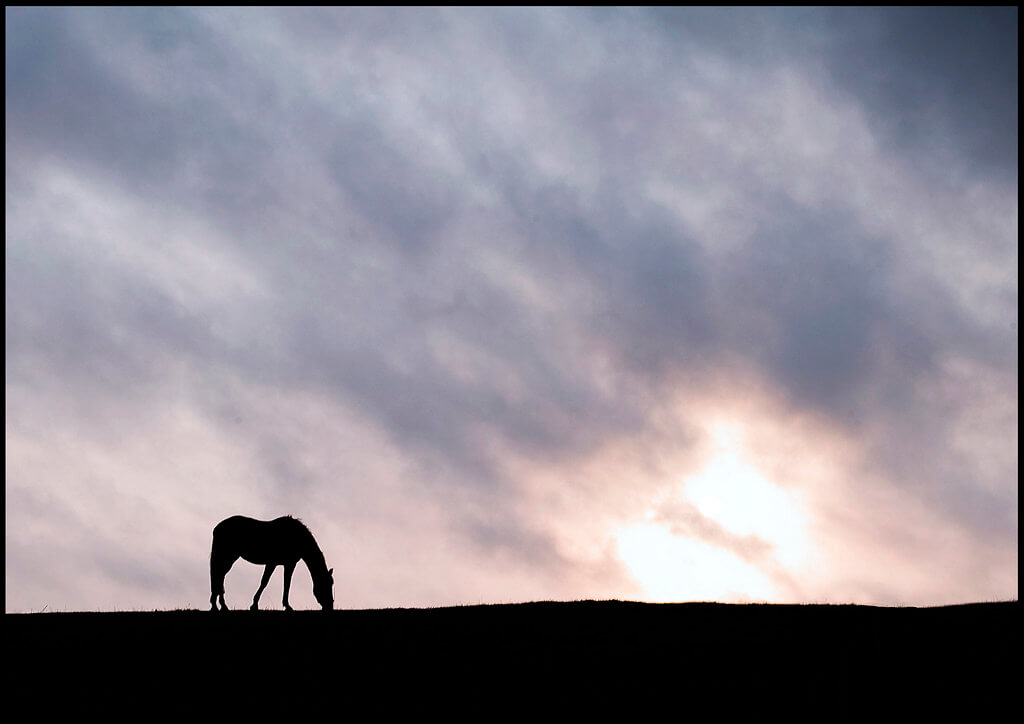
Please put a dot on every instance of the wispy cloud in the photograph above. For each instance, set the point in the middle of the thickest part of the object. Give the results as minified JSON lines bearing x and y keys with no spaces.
{"x":469,"y":289}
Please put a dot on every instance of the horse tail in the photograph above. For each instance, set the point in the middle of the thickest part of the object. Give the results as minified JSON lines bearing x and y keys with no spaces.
{"x":217,"y":569}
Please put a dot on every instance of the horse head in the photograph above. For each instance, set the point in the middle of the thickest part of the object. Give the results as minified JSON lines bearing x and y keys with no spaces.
{"x":323,"y":591}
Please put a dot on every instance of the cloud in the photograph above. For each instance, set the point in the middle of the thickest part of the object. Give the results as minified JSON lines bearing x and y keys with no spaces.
{"x":936,"y":81}
{"x":440,"y":268}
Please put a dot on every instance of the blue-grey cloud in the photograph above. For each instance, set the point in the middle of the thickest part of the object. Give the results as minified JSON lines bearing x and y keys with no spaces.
{"x":515,"y":232}
{"x":935,"y":80}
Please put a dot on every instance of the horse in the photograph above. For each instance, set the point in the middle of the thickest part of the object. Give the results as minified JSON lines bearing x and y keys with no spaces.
{"x":279,"y":542}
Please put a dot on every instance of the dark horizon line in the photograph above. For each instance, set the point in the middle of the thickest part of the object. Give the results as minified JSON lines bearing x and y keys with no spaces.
{"x":749,"y":604}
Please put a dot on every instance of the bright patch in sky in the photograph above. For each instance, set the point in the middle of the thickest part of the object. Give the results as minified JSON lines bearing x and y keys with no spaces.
{"x":732,"y":492}
{"x":734,"y":496}
{"x":672,"y":568}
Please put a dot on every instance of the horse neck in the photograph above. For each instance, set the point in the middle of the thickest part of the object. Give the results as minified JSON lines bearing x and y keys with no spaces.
{"x":314,"y":559}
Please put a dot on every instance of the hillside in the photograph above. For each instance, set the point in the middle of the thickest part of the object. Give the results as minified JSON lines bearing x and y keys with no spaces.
{"x":540,"y":657}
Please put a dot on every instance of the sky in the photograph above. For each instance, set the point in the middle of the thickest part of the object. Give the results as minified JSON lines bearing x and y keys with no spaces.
{"x":513,"y":304}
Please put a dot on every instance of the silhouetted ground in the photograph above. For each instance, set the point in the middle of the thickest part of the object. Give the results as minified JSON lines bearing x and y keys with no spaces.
{"x":537,"y":660}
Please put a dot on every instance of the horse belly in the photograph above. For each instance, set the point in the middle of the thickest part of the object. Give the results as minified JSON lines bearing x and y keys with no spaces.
{"x":259,"y":542}
{"x":263,"y":558}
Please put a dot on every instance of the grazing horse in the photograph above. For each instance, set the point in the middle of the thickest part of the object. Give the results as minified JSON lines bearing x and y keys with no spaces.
{"x":279,"y":542}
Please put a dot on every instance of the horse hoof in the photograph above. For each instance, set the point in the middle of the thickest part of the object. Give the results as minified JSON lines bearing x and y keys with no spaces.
{"x":254,"y":607}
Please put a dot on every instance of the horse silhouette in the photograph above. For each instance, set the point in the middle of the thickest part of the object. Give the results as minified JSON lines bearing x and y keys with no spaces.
{"x":279,"y":542}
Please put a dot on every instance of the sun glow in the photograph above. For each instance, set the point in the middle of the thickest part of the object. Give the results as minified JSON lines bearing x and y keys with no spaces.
{"x":732,"y":492}
{"x":720,"y":534}
{"x":672,"y":568}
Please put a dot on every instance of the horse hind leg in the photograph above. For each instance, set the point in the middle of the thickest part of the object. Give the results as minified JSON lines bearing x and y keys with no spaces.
{"x":220,"y":564}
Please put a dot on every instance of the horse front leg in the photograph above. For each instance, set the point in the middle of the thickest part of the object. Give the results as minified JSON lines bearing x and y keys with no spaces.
{"x":289,"y":568}
{"x":267,"y":572}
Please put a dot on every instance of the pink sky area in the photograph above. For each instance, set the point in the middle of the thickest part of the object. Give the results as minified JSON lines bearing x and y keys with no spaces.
{"x":513,"y":304}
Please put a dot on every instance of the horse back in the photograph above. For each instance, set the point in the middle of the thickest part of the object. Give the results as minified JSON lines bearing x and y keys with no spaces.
{"x":258,"y":541}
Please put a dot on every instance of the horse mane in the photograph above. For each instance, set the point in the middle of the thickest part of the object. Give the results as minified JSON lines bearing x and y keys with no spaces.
{"x":315,"y":557}
{"x":300,"y":522}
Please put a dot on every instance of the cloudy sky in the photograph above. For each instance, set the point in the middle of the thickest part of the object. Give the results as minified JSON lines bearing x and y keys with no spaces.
{"x":513,"y":304}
